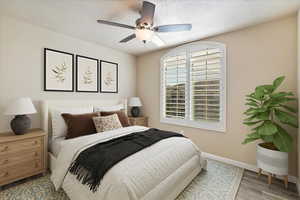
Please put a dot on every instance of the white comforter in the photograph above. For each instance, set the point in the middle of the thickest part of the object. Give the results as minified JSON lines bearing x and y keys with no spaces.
{"x":134,"y":177}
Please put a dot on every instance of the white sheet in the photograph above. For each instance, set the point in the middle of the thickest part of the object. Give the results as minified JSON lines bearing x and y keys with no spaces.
{"x":136,"y":177}
{"x":56,"y":145}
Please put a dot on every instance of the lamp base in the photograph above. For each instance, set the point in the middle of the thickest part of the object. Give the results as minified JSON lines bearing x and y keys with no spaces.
{"x":135,"y":111}
{"x":20,"y":124}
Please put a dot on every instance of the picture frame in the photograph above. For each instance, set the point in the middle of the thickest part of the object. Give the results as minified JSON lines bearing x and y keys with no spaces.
{"x":58,"y":71}
{"x":109,"y":82}
{"x":87,"y":74}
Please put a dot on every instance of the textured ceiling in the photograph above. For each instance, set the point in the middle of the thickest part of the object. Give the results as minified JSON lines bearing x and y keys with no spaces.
{"x":209,"y":17}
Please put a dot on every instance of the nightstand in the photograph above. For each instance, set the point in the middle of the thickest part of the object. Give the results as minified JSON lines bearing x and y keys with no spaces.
{"x":22,"y":156}
{"x":139,"y":121}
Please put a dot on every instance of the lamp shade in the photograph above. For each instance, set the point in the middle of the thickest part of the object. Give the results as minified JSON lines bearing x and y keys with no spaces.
{"x":20,"y":106}
{"x":135,"y":102}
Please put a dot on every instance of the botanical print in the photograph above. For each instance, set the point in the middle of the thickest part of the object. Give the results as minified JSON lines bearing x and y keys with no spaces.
{"x":58,"y":70}
{"x":109,"y":77}
{"x":87,"y":74}
{"x":109,"y":80}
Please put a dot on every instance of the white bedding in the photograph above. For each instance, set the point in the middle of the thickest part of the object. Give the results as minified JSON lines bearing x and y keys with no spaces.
{"x":56,"y":145}
{"x":160,"y":171}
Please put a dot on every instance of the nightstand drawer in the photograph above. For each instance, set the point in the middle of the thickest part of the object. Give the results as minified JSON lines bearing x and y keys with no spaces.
{"x":20,"y":170}
{"x":13,"y":159}
{"x":20,"y":146}
{"x":140,"y":121}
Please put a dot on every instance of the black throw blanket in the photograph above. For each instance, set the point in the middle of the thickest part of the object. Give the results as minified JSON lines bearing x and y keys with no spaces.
{"x":92,"y":164}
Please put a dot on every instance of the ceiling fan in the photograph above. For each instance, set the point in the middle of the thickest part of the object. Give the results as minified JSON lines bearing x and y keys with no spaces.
{"x":145,"y":29}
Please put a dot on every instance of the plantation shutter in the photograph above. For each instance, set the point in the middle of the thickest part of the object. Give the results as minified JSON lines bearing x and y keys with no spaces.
{"x":175,"y":81}
{"x":205,"y":72}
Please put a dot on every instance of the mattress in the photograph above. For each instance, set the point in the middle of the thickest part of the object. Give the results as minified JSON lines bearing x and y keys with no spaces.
{"x":56,"y":145}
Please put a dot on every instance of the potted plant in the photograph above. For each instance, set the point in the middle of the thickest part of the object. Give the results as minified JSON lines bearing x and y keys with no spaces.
{"x":268,"y":115}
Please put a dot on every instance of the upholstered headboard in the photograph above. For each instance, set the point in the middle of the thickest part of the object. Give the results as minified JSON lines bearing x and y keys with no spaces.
{"x":48,"y":105}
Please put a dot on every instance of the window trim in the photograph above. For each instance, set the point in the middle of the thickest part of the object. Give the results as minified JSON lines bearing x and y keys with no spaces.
{"x":187,"y":48}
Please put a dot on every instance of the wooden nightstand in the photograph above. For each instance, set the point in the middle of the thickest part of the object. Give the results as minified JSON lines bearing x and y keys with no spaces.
{"x":22,"y":156}
{"x":140,"y":121}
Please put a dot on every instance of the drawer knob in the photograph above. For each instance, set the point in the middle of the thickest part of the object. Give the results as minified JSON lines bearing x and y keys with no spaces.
{"x":36,"y":154}
{"x":35,"y":142}
{"x":4,"y":149}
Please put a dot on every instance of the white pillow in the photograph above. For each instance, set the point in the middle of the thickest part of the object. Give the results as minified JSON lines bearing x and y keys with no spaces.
{"x":108,"y":108}
{"x":59,"y":127}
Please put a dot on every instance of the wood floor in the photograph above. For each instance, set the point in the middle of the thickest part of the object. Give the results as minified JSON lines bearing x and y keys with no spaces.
{"x":254,"y":188}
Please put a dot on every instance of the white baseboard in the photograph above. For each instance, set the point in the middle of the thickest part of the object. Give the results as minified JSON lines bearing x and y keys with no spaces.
{"x":292,"y":179}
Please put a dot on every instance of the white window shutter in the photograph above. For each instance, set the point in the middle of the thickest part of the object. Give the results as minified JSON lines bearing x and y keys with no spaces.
{"x":175,"y":86}
{"x":205,"y":84}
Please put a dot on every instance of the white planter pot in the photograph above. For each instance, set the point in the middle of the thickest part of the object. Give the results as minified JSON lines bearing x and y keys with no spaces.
{"x":275,"y":162}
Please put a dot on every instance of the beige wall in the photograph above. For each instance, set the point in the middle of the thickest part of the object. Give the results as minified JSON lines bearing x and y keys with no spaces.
{"x":256,"y":55}
{"x":21,"y":65}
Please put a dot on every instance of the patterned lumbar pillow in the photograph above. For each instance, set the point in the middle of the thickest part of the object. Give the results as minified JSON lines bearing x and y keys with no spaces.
{"x":107,"y":123}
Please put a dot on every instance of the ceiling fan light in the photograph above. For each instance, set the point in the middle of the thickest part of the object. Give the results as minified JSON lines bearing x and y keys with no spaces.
{"x":144,"y":34}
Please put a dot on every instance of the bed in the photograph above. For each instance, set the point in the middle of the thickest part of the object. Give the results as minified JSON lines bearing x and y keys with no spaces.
{"x":157,"y":172}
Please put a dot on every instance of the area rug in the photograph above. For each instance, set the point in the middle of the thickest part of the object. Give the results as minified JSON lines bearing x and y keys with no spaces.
{"x":219,"y":182}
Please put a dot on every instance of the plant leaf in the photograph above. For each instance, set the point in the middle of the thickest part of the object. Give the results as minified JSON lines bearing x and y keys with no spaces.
{"x":250,"y":111}
{"x":247,"y":140}
{"x":267,"y":138}
{"x":250,"y":118}
{"x":286,"y":118}
{"x":267,"y":128}
{"x":281,"y":94}
{"x":280,"y":100}
{"x":291,"y":109}
{"x":259,"y":93}
{"x":282,"y":140}
{"x":254,"y":135}
{"x":268,"y":88}
{"x":252,"y":100}
{"x":277,"y":82}
{"x":252,"y":104}
{"x":263,"y":115}
{"x":251,"y":137}
{"x":252,"y":123}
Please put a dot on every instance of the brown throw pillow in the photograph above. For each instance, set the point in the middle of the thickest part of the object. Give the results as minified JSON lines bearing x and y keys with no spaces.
{"x":121,"y":115}
{"x":79,"y":125}
{"x":107,"y":123}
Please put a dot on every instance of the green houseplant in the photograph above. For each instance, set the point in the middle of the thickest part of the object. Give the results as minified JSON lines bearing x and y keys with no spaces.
{"x":268,"y":116}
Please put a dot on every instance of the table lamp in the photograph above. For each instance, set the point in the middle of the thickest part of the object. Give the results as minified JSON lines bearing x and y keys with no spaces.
{"x":20,"y":108}
{"x":135,"y":103}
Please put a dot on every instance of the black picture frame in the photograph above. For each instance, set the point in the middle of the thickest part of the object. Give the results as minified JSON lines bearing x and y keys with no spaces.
{"x":98,"y":76}
{"x":102,"y":90}
{"x":45,"y":71}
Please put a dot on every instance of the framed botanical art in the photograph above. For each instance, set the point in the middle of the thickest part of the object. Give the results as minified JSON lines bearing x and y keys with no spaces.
{"x":87,"y":74}
{"x":58,"y":71}
{"x":109,"y":77}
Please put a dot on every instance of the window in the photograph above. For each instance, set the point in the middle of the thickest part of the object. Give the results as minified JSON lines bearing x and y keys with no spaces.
{"x":193,"y":81}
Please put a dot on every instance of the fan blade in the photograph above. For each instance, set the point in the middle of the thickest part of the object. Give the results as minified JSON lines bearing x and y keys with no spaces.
{"x":115,"y":24}
{"x":173,"y":28}
{"x":157,"y":40}
{"x":130,"y":37}
{"x":123,"y":8}
{"x":147,"y":13}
